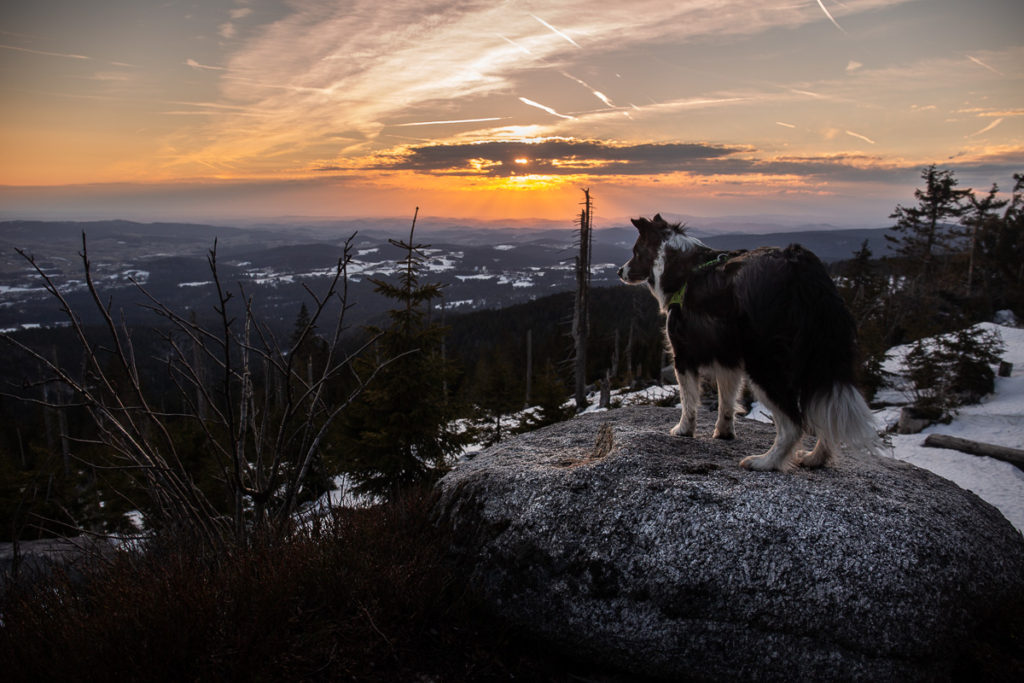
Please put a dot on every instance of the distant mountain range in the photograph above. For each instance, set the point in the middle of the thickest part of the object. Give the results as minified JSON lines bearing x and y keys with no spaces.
{"x":481,"y":268}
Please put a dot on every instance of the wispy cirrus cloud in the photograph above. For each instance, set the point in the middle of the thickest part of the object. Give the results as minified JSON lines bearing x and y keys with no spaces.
{"x":367,"y":64}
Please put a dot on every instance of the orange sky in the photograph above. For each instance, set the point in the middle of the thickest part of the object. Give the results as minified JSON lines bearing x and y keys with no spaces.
{"x":247,"y":109}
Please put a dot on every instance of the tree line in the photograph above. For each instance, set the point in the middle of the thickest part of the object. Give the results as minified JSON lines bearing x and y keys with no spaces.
{"x":226,"y":429}
{"x":957,"y":259}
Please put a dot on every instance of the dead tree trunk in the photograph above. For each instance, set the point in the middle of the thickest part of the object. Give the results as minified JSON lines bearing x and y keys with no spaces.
{"x":615,"y":356}
{"x":529,"y":367}
{"x":605,"y":385}
{"x":581,"y":321}
{"x":1014,"y":456}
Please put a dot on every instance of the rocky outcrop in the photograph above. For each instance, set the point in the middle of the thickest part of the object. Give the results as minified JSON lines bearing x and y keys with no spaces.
{"x":659,"y":556}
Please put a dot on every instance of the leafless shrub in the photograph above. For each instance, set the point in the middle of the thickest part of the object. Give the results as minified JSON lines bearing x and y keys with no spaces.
{"x":261,"y":413}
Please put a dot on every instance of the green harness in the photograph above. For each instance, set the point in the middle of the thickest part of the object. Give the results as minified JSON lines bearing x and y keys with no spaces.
{"x":677,"y":298}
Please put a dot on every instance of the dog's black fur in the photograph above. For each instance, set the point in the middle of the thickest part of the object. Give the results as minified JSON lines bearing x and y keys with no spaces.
{"x":773,"y":314}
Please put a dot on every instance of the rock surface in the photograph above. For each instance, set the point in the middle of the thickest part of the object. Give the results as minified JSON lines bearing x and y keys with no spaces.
{"x":659,"y":556}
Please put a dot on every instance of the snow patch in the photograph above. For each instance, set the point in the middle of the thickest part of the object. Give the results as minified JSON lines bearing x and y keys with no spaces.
{"x":998,"y":419}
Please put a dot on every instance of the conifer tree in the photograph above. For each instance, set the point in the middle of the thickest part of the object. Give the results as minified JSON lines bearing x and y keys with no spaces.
{"x":929,"y":229}
{"x":1000,"y":253}
{"x":496,"y":393}
{"x":979,"y":218}
{"x":551,"y":400}
{"x":399,"y":432}
{"x":863,"y":289}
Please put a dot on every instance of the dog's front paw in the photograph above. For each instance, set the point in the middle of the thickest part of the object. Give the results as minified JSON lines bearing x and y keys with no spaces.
{"x":763,"y":463}
{"x":724,"y":433}
{"x":681,"y":430}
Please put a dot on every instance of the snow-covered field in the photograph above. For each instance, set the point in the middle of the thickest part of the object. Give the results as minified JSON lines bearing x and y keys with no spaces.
{"x":998,"y":419}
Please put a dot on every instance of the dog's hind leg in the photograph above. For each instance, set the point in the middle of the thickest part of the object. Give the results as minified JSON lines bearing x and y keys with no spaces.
{"x":689,"y":396}
{"x":780,"y":456}
{"x":729,"y":382}
{"x":816,"y":457}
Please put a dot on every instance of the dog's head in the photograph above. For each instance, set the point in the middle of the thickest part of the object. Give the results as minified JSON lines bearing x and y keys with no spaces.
{"x":655,"y":235}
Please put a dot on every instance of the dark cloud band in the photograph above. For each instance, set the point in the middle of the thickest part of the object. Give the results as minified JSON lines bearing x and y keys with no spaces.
{"x":596,"y":158}
{"x":554,"y":157}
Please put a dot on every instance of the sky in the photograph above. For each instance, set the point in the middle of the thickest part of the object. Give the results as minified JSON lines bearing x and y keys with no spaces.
{"x":223,"y":110}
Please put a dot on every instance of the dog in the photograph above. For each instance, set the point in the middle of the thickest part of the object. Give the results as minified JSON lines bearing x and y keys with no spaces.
{"x":770,"y":314}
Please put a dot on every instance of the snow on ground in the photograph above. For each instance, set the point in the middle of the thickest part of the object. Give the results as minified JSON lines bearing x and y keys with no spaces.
{"x":998,"y":419}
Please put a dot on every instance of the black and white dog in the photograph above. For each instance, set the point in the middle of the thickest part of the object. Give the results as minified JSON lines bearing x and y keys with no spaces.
{"x":772,"y":314}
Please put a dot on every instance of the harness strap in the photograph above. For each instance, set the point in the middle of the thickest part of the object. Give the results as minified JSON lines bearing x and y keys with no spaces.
{"x":677,"y":298}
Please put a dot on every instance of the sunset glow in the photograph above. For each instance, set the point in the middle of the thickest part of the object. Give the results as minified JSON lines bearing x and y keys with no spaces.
{"x":243,"y":109}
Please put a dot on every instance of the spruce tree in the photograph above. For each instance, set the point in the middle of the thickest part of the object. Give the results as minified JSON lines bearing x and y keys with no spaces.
{"x":863,"y":289}
{"x":551,"y":399}
{"x":930,"y":228}
{"x":399,"y":432}
{"x":1000,"y":253}
{"x":496,"y":393}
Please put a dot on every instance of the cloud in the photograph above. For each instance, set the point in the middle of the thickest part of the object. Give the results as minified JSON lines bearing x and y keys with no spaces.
{"x":553,"y":157}
{"x":449,"y":121}
{"x":595,"y":158}
{"x":364,"y":63}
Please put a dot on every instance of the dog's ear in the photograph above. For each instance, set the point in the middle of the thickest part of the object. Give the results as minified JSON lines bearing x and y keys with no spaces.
{"x":641,"y":223}
{"x":661,"y":223}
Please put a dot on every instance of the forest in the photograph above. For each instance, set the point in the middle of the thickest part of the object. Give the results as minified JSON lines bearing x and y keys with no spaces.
{"x":227,"y":429}
{"x":198,"y":447}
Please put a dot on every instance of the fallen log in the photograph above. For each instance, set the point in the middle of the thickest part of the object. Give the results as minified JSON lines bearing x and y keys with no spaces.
{"x":1014,"y":456}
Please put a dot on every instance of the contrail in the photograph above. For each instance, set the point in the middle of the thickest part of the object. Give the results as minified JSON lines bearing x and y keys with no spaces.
{"x":547,"y":109}
{"x":981,"y":63}
{"x":596,"y":93}
{"x":861,"y":137}
{"x":196,"y":65}
{"x":554,"y":30}
{"x":808,"y":93}
{"x":830,"y":17}
{"x":48,"y":54}
{"x":437,"y":123}
{"x":787,"y":125}
{"x":515,"y":44}
{"x":987,"y":128}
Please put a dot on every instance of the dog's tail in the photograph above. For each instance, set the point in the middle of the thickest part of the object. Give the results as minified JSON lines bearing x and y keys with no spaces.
{"x":840,"y":416}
